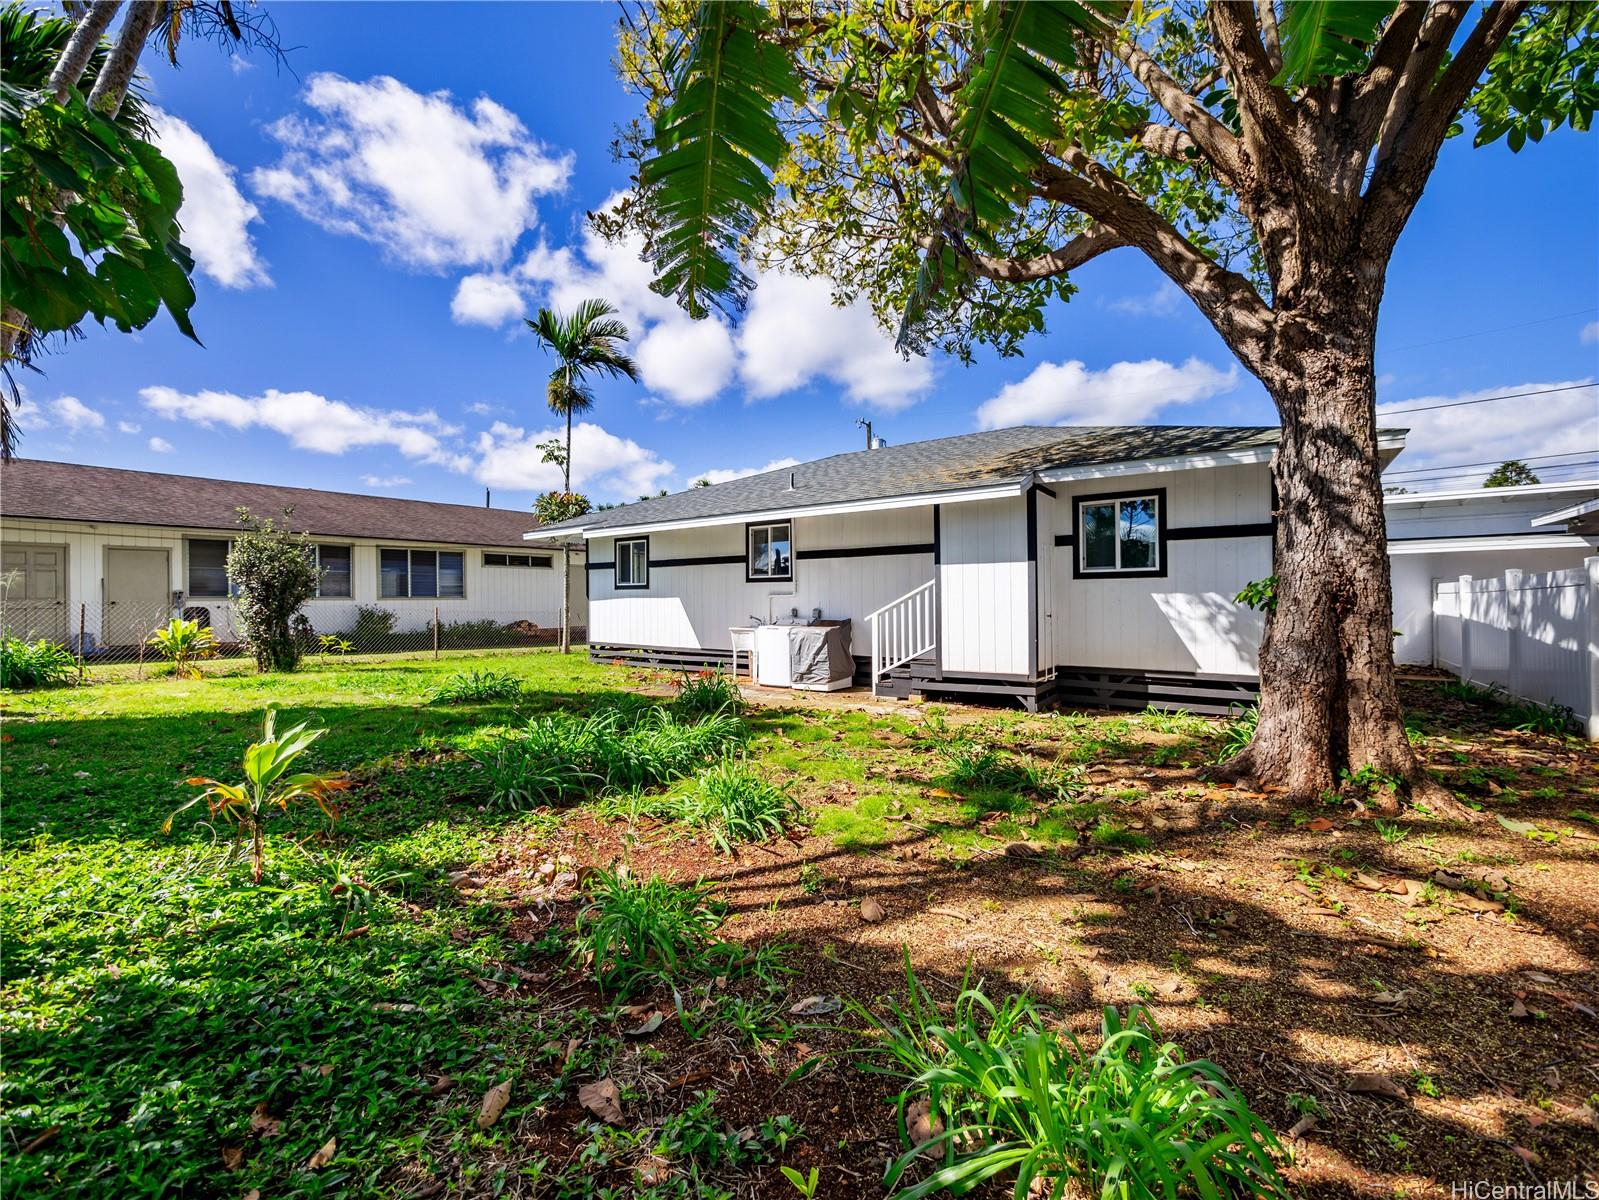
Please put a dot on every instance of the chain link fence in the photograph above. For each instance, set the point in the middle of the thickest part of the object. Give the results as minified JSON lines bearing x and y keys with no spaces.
{"x":120,"y":634}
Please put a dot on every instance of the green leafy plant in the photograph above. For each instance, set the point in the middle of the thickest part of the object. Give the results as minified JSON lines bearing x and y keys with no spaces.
{"x":477,"y":687}
{"x":705,"y":692}
{"x":1260,"y":594}
{"x":551,"y":508}
{"x":273,"y":572}
{"x":735,"y":804}
{"x":805,"y":1185}
{"x":971,"y":766}
{"x":636,"y":932}
{"x":34,"y":664}
{"x":1009,"y":1096}
{"x":1238,"y":733}
{"x":267,"y":785}
{"x":184,"y":644}
{"x":332,"y":643}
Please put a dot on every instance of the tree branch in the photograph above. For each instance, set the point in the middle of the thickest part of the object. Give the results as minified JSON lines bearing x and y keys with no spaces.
{"x":1434,"y":31}
{"x":1406,"y":156}
{"x":80,"y":48}
{"x":1264,"y":111}
{"x":1266,"y":12}
{"x":1228,"y":299}
{"x":1085,"y":247}
{"x":1213,"y":139}
{"x":1168,"y":141}
{"x":1376,"y":84}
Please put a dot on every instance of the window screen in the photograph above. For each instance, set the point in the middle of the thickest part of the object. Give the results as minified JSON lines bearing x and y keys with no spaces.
{"x":208,"y":567}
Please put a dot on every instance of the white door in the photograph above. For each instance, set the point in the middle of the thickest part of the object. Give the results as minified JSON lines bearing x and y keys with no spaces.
{"x":33,"y":591}
{"x":138,"y":596}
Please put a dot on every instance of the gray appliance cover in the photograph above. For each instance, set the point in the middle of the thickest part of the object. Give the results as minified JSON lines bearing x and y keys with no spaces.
{"x":819,"y":654}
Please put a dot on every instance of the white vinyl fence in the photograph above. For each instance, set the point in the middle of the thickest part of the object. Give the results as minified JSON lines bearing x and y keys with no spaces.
{"x":1535,"y":637}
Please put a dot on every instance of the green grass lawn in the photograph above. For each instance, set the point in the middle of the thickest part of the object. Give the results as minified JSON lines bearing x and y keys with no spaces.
{"x":153,"y":1002}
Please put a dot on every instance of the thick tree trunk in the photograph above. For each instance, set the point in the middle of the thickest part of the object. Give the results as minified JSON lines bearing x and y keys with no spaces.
{"x":75,"y":58}
{"x":111,"y":87}
{"x":1329,"y":702}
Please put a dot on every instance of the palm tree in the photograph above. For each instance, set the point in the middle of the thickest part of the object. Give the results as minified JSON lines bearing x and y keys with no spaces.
{"x":587,"y":344}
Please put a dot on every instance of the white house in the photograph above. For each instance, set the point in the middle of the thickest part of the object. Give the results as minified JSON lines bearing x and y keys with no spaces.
{"x":1091,"y":565}
{"x":113,"y":553}
{"x":1434,"y":538}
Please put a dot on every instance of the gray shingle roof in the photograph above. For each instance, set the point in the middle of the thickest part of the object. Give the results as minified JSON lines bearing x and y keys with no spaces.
{"x":948,"y":464}
{"x":71,"y":492}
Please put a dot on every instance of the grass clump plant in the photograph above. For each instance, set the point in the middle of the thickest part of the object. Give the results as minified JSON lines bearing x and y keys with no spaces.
{"x":1010,"y":1097}
{"x":1238,"y":733}
{"x":705,"y":692}
{"x":477,"y":687}
{"x":634,"y":933}
{"x":734,"y":804}
{"x":34,"y":664}
{"x":973,"y":767}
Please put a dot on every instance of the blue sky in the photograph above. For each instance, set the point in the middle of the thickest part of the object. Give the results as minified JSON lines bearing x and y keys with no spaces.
{"x":372,"y":223}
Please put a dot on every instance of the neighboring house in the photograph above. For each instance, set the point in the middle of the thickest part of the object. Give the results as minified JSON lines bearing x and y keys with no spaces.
{"x":119,"y":551}
{"x":1434,"y":538}
{"x":1090,"y":565}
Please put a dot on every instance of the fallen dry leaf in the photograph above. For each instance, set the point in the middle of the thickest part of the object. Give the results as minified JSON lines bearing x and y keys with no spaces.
{"x":263,"y":1123}
{"x":816,"y":1006}
{"x":1375,"y":1083}
{"x":441,"y":1085}
{"x":43,"y":1139}
{"x":323,"y":1156}
{"x":871,"y":911}
{"x":253,"y":1194}
{"x":1320,"y":825}
{"x":232,"y":1157}
{"x":649,"y":1026}
{"x":1302,"y":1126}
{"x":494,"y":1102}
{"x":602,"y":1099}
{"x":1519,"y":1011}
{"x":922,"y":1126}
{"x":1392,"y":999}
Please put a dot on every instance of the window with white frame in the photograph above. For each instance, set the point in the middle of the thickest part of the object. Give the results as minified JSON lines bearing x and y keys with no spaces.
{"x":493,"y":559}
{"x":771,"y":554}
{"x":1121,"y":535}
{"x":632,"y":562}
{"x":432,"y":573}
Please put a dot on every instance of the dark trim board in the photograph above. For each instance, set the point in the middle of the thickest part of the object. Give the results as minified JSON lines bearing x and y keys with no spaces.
{"x":1159,"y":493}
{"x":793,"y":552}
{"x":709,"y":560}
{"x":1205,"y":533}
{"x":869,"y":551}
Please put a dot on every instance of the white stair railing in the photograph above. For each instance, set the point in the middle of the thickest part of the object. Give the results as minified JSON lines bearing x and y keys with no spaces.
{"x":904,"y":629}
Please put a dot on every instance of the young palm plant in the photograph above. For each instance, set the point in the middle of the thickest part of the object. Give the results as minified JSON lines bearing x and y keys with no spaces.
{"x":587,"y":344}
{"x":267,"y":785}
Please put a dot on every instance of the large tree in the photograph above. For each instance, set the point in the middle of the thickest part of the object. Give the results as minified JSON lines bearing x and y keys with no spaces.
{"x":587,"y":344}
{"x":956,"y":161}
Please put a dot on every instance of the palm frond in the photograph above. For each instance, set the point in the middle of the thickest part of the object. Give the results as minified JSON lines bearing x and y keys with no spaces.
{"x":716,"y":145}
{"x":566,"y":397}
{"x":1323,"y":38}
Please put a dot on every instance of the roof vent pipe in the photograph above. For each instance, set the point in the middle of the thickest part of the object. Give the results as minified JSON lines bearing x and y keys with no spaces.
{"x":791,"y":481}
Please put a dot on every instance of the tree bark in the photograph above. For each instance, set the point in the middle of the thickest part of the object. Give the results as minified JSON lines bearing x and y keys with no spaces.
{"x":111,"y":87}
{"x":80,"y":49}
{"x":1329,"y":701}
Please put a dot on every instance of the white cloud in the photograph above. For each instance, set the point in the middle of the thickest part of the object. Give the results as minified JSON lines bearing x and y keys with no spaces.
{"x":1556,"y":423}
{"x":313,"y":422}
{"x":1590,"y":333}
{"x":486,"y":299}
{"x":160,"y":445}
{"x":238,"y":64}
{"x":688,"y":361}
{"x":1124,"y":393}
{"x":435,"y":183}
{"x":64,"y":413}
{"x":794,"y":334}
{"x":385,"y":481}
{"x":722,"y":475}
{"x":604,"y":465}
{"x":127,"y":427}
{"x":1161,"y":302}
{"x":216,"y":217}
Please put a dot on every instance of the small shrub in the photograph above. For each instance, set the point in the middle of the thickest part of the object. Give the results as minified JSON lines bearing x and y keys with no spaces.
{"x":183,"y":644}
{"x":974,"y":767}
{"x":34,"y":664}
{"x":706,"y":692}
{"x":1551,"y":720}
{"x":735,"y":804}
{"x":373,"y":628}
{"x":268,"y":785}
{"x":1238,"y":733}
{"x":477,"y":687}
{"x":1010,"y":1096}
{"x":273,"y":572}
{"x":332,"y":643}
{"x":633,"y":932}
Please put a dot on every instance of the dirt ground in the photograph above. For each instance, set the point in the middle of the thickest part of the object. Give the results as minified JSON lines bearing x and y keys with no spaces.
{"x":1409,"y":1003}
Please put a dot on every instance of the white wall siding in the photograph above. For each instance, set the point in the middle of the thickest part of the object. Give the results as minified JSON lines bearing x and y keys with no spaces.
{"x":983,"y":588}
{"x":500,"y":593}
{"x":1416,"y":577}
{"x":1188,"y":620}
{"x":692,"y":606}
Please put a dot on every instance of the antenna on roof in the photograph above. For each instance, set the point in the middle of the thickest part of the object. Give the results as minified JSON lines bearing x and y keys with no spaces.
{"x":863,"y":423}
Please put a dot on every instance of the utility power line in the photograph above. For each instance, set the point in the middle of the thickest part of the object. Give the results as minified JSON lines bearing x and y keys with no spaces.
{"x":1528,"y":458}
{"x":1570,"y":387}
